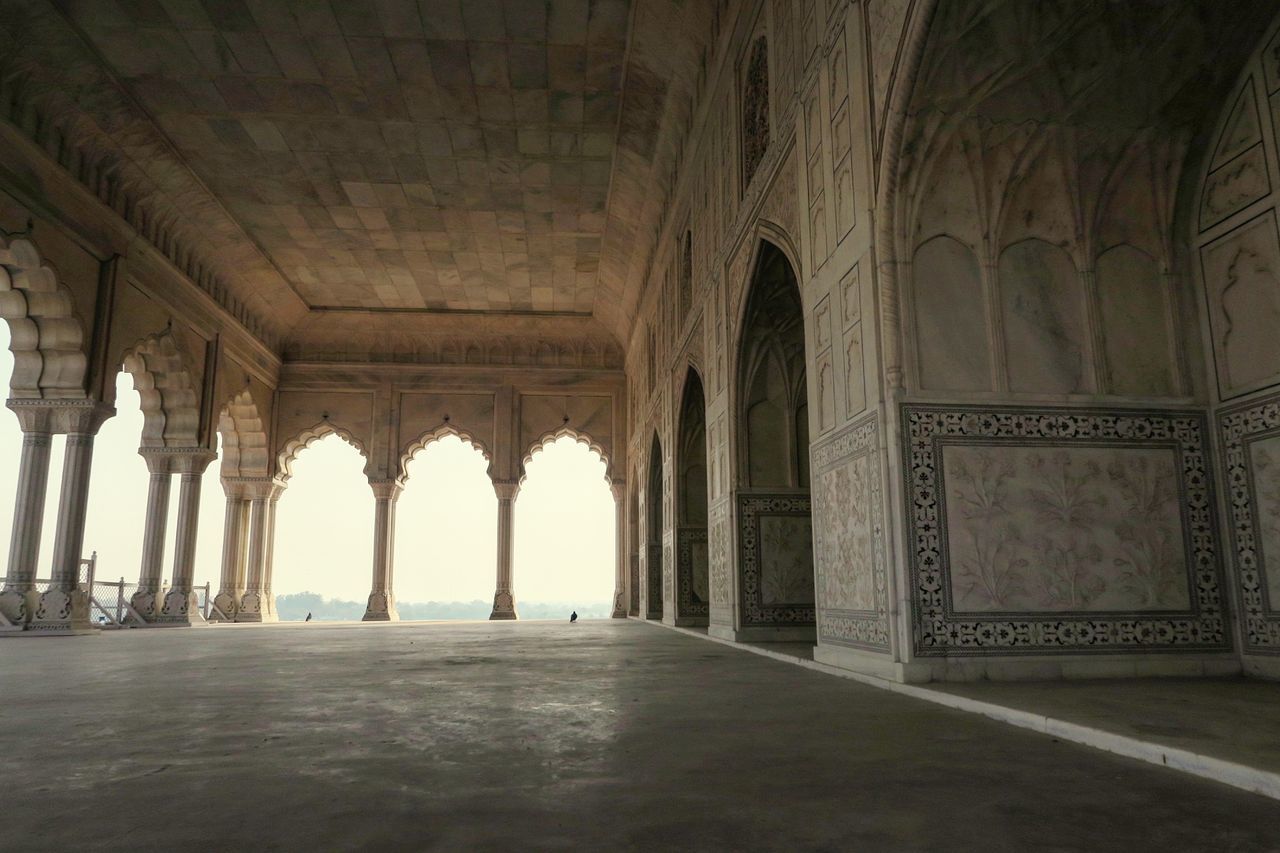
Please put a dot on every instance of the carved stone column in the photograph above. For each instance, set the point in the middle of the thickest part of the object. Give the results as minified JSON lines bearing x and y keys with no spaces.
{"x":146,"y":601}
{"x":180,"y":606}
{"x":64,"y":607}
{"x":269,"y":558}
{"x":18,"y":599}
{"x":619,"y":489}
{"x":262,"y":494}
{"x":231,"y":582}
{"x":382,"y":599}
{"x":504,"y":602}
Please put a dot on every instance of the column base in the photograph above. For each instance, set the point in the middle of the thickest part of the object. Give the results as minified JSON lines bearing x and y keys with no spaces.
{"x":180,"y":610}
{"x":381,"y":608}
{"x":504,"y":606}
{"x":147,"y":605}
{"x":224,"y":607}
{"x":17,"y":607}
{"x":253,"y":609}
{"x":62,"y":611}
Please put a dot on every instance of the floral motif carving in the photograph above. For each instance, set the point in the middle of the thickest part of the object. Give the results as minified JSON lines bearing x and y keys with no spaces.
{"x":775,"y":560}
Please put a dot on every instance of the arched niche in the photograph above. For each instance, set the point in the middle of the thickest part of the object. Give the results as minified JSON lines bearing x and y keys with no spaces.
{"x":775,"y":563}
{"x":949,"y":317}
{"x":46,"y":337}
{"x":170,"y":399}
{"x":653,"y":530}
{"x":1043,"y":314}
{"x":773,"y":410}
{"x":693,"y":593}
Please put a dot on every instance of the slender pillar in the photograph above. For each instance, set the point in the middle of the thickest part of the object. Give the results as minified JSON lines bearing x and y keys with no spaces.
{"x":269,"y":559}
{"x":17,"y":600}
{"x":252,"y":608}
{"x":231,"y":583}
{"x":504,"y":601}
{"x":64,"y":606}
{"x":180,"y":606}
{"x":382,"y":599}
{"x":619,"y":489}
{"x":146,"y":601}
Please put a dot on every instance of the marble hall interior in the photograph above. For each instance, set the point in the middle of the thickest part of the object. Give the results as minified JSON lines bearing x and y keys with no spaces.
{"x":930,"y":350}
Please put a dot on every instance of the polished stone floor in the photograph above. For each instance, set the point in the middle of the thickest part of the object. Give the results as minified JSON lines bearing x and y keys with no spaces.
{"x":539,"y":736}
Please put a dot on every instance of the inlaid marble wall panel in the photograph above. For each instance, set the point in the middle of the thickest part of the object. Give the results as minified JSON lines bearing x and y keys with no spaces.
{"x":775,"y":543}
{"x":1250,"y":435}
{"x":1061,"y":530}
{"x":848,"y":528}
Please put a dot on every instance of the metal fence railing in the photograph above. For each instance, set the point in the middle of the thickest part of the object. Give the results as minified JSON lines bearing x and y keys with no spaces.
{"x":109,"y":600}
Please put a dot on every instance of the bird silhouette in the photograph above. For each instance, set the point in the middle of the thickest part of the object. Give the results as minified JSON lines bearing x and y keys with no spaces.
{"x":573,"y":617}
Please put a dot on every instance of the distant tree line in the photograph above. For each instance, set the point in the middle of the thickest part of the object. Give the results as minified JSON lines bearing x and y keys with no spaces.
{"x":296,"y":606}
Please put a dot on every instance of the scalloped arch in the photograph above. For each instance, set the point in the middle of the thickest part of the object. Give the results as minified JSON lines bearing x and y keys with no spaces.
{"x":309,"y":436}
{"x":47,"y":338}
{"x":554,"y":435}
{"x":244,"y":438}
{"x":430,"y":436}
{"x":170,"y":404}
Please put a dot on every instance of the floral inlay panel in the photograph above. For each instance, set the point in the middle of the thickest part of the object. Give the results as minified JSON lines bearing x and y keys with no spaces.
{"x":776,"y":563}
{"x":693,"y":592}
{"x":849,"y":538}
{"x":1251,"y":446}
{"x":1061,"y":530}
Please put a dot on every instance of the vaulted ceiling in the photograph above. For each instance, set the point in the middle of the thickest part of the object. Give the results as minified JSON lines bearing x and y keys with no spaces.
{"x":364,"y":158}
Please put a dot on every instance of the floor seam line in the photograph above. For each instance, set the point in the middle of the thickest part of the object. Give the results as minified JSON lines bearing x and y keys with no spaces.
{"x":1220,"y":770}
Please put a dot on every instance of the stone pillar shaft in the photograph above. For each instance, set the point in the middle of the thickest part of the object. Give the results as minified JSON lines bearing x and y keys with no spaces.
{"x":28,"y":520}
{"x":251,"y":602}
{"x":382,"y":600}
{"x":231,"y":583}
{"x":64,"y":607}
{"x":619,"y":550}
{"x":504,"y":600}
{"x":268,"y":562}
{"x":146,"y":601}
{"x":180,"y":602}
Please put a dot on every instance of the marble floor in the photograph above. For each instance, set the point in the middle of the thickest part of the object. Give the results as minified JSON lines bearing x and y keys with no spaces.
{"x":542,"y":736}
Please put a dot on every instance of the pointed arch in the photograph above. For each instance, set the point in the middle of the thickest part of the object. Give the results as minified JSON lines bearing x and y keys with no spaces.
{"x":47,"y":337}
{"x":552,"y":436}
{"x":170,"y":400}
{"x":244,"y":438}
{"x":653,"y":521}
{"x":290,"y":449}
{"x":417,"y":445}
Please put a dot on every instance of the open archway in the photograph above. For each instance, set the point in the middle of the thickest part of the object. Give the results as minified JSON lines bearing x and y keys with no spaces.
{"x":776,"y":578}
{"x":693,"y":592}
{"x":446,"y":530}
{"x":564,"y":497}
{"x":653,"y":532}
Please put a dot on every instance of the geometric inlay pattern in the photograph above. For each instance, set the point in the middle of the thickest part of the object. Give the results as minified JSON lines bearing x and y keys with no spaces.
{"x":776,"y":559}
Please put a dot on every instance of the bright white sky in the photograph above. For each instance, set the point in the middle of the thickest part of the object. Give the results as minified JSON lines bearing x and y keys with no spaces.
{"x":446,"y":529}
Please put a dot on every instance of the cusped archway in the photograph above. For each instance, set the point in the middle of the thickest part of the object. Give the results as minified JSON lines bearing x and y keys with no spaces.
{"x":47,"y":338}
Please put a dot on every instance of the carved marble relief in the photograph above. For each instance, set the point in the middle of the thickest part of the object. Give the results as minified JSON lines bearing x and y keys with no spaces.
{"x":692,"y":554}
{"x":851,"y":297}
{"x":718,"y":547}
{"x":1069,"y":530}
{"x":1042,"y":308}
{"x":822,"y":324}
{"x":850,"y":561}
{"x":1250,"y":435}
{"x":844,"y":206}
{"x":755,"y":109}
{"x":826,"y":391}
{"x":818,"y":232}
{"x":950,"y":317}
{"x":1234,"y":186}
{"x":1134,"y":313}
{"x":1241,"y":270}
{"x":1063,"y":528}
{"x":775,"y":559}
{"x":855,"y":398}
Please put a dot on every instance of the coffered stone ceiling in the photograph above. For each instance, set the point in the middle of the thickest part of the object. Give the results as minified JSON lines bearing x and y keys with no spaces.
{"x":372,"y":157}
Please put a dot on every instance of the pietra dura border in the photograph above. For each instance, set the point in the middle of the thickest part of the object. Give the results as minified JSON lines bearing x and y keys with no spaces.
{"x":752,"y":507}
{"x":938,"y":631}
{"x":1240,"y":426}
{"x":687,"y":537}
{"x":862,"y":629}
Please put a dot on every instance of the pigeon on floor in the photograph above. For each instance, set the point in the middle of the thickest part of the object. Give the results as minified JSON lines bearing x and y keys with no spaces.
{"x":573,"y":617}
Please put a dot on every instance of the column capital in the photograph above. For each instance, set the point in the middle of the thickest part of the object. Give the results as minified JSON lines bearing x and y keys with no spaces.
{"x":177,"y":460}
{"x":254,"y":488}
{"x":619,"y":489}
{"x":83,"y":417}
{"x":386,"y":489}
{"x":506,"y":490}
